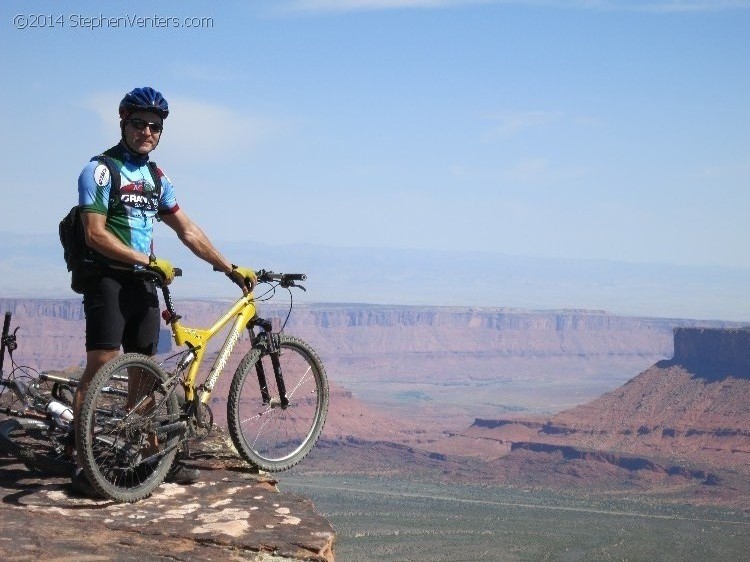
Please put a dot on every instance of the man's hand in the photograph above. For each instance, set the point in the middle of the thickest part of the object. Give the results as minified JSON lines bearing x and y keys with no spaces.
{"x":244,"y":277}
{"x":162,"y":267}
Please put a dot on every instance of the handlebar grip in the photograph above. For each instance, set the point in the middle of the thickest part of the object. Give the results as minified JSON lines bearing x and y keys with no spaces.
{"x":272,"y":275}
{"x":157,"y":277}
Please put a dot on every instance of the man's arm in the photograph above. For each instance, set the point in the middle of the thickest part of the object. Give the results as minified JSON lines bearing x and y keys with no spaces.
{"x":196,"y":240}
{"x":106,"y":243}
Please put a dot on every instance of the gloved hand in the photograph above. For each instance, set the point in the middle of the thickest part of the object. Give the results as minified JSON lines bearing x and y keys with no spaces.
{"x":244,"y":277}
{"x":162,"y":267}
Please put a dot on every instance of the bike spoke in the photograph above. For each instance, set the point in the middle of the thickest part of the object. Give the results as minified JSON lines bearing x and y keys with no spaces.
{"x":134,"y":428}
{"x":272,"y":435}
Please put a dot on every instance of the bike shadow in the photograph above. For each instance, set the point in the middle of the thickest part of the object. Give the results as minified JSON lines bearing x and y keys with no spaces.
{"x":20,"y":487}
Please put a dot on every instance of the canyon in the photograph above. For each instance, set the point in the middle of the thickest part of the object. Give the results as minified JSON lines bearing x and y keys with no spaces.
{"x":561,"y":400}
{"x":482,"y":383}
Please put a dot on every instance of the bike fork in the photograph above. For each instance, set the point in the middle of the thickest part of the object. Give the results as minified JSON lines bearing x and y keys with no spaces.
{"x":269,"y":343}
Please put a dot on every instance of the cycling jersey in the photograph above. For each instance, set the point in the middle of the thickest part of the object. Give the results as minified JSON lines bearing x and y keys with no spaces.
{"x":130,"y":217}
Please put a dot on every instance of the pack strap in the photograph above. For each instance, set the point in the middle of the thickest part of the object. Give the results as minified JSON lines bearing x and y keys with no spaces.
{"x":115,"y":177}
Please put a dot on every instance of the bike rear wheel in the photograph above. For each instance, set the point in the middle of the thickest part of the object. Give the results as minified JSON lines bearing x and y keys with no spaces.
{"x":267,"y":433}
{"x":32,"y":442}
{"x":129,"y":428}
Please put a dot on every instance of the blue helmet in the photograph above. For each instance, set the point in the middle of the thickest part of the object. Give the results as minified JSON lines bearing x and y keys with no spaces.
{"x":144,"y":99}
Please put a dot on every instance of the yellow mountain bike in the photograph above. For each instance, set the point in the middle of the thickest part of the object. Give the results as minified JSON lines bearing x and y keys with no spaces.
{"x":135,"y":416}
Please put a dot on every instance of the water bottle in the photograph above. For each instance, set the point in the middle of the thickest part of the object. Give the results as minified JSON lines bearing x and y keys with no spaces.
{"x":59,"y":410}
{"x":186,"y":359}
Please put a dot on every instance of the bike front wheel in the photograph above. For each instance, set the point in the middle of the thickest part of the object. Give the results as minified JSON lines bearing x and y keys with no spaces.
{"x":269,"y":431}
{"x":129,"y":428}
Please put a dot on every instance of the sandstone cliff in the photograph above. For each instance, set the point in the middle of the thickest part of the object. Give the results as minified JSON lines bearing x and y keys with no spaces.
{"x":54,"y":330}
{"x":713,"y":353}
{"x":695,"y":406}
{"x":687,"y":418}
{"x":427,"y":364}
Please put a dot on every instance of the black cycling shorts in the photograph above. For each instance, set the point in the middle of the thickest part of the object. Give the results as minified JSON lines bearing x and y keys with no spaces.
{"x":122,"y":309}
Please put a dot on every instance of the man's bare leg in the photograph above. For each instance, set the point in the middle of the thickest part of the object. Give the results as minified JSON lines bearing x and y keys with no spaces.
{"x":140,"y":386}
{"x":95,"y":360}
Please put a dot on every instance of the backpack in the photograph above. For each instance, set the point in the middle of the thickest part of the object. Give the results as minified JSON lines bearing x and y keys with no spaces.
{"x":81,"y":260}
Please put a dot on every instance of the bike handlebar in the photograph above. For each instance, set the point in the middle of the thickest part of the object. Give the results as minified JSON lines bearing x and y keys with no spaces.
{"x":284,"y":279}
{"x":264,"y":276}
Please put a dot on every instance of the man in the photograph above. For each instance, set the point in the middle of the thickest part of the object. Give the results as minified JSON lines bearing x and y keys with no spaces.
{"x":121,"y":308}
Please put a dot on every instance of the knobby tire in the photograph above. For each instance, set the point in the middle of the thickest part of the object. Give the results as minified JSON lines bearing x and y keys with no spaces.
{"x":115,"y":438}
{"x":267,"y":434}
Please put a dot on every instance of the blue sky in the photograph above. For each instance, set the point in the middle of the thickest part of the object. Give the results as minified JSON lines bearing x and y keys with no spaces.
{"x":570,"y":129}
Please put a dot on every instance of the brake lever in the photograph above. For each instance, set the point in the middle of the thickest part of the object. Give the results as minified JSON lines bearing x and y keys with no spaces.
{"x":288,"y":284}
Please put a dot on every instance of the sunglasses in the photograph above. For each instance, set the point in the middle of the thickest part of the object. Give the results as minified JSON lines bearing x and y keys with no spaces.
{"x":141,"y":125}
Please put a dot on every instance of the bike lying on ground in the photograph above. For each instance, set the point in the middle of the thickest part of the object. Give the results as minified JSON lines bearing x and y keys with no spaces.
{"x":134,"y":416}
{"x":39,"y":423}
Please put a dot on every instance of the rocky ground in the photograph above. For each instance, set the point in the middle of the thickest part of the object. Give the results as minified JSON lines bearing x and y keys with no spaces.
{"x":233,"y":513}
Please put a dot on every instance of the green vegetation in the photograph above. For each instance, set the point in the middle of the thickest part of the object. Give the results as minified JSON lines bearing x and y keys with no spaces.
{"x":413,"y":396}
{"x":387,"y":519}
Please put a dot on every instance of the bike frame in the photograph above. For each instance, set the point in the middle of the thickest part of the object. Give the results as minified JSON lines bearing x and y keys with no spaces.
{"x":31,"y":400}
{"x":242,"y":312}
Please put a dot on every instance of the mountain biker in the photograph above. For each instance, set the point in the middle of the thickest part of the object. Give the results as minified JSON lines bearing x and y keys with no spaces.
{"x":122,"y":308}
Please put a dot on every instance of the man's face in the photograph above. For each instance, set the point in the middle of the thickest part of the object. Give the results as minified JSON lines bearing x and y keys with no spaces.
{"x":142,"y":139}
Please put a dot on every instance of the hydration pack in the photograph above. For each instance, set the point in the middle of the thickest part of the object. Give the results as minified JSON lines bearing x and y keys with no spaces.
{"x":79,"y":258}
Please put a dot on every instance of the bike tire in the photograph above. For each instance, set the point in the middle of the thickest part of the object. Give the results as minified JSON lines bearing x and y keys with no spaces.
{"x":114,"y":437}
{"x":29,"y":440}
{"x":266,"y":434}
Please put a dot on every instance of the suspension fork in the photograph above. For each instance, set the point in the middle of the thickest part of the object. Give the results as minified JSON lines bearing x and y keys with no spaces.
{"x":269,"y":343}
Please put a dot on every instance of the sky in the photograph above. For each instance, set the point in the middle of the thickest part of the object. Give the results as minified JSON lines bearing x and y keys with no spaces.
{"x":607,"y":129}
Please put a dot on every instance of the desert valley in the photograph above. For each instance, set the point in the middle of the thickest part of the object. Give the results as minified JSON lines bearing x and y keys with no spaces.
{"x":558,"y":413}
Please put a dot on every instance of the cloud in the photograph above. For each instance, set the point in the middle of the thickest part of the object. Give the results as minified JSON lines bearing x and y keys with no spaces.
{"x":514,"y":123}
{"x":530,"y":170}
{"x":655,"y":6}
{"x":206,"y":130}
{"x":104,"y":105}
{"x":195,"y":130}
{"x":539,"y":170}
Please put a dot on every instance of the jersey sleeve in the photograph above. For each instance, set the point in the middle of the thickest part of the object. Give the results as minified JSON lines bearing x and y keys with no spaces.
{"x":93,"y":188}
{"x":168,"y":201}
